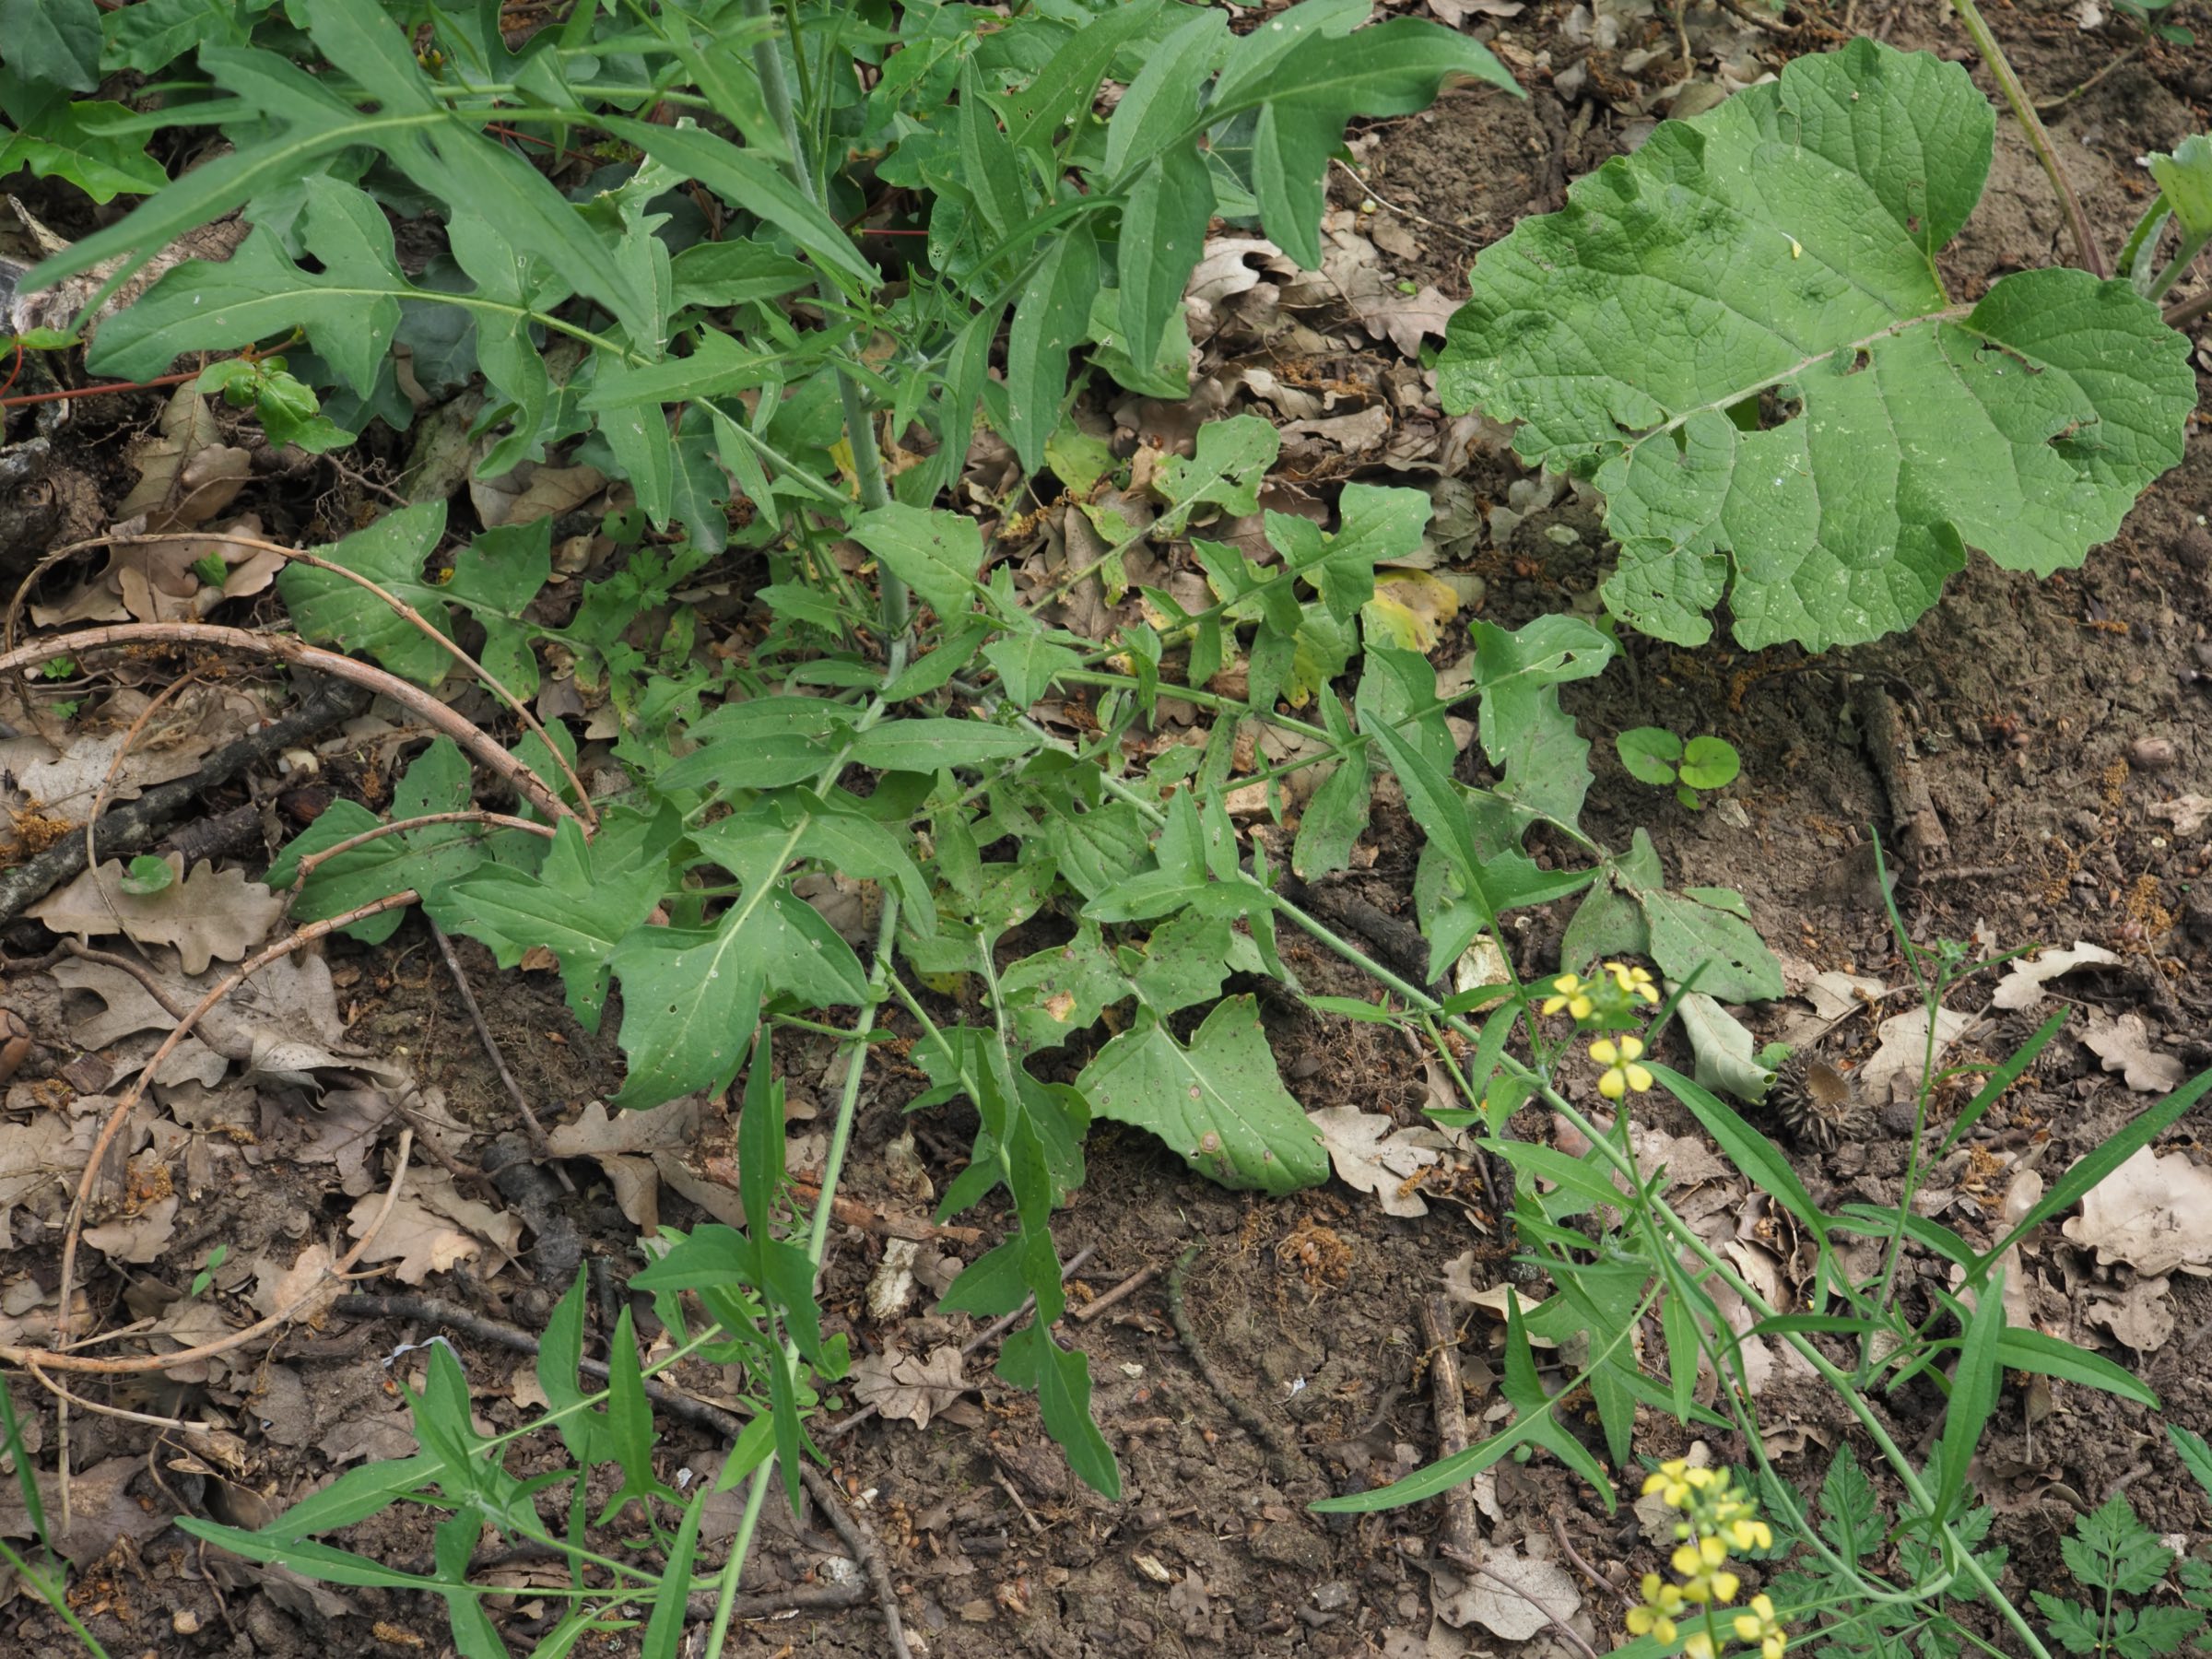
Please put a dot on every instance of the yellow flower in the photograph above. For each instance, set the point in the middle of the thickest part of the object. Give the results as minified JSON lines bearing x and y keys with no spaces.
{"x":1573,"y":996}
{"x":1636,"y":982}
{"x":1693,"y":1559}
{"x":1642,"y":1621}
{"x":1760,"y":1625}
{"x":1670,"y":1481}
{"x":1748,"y":1535}
{"x":1697,"y":1646}
{"x":1662,"y":1601}
{"x":1622,"y":1073}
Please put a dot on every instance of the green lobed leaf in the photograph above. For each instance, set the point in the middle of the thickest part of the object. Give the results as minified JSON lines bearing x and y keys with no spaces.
{"x":65,"y":141}
{"x":52,"y":43}
{"x":392,"y":552}
{"x":1230,"y":463}
{"x":581,"y":904}
{"x":1057,"y":991}
{"x":1784,"y":246}
{"x":1699,"y":932}
{"x":349,"y":308}
{"x":1025,"y":664}
{"x":1218,"y":1104}
{"x":152,"y":34}
{"x":691,"y":995}
{"x":1030,"y":1359}
{"x":438,"y":780}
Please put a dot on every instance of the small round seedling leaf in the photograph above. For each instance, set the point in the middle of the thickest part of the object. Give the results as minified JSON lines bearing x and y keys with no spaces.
{"x":1710,"y":763}
{"x":148,"y":874}
{"x":1649,"y":753}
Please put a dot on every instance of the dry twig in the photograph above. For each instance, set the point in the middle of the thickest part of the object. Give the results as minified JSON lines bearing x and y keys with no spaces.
{"x":498,"y":1060}
{"x":296,"y":653}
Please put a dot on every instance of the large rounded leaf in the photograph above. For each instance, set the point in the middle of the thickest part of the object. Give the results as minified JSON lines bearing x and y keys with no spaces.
{"x":1739,"y":332}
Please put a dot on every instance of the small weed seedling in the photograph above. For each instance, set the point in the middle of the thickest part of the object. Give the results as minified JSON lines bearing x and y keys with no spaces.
{"x":2111,"y":1554}
{"x":2149,"y":17}
{"x":1654,"y":754}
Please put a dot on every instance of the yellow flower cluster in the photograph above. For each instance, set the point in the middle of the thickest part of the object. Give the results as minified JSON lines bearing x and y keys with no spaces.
{"x":1614,"y":993}
{"x":1718,"y":1520}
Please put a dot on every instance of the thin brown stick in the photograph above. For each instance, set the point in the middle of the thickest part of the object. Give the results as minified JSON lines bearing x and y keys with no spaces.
{"x":284,"y":648}
{"x":97,"y":1409}
{"x":1920,"y":827}
{"x":400,"y":607}
{"x":2182,"y":314}
{"x":862,"y":1542}
{"x":498,"y":1060}
{"x":64,"y":1356}
{"x":502,"y":820}
{"x":134,"y":824}
{"x":1463,"y":1537}
{"x":2051,"y":106}
{"x":1127,"y":1288}
{"x":32,"y":1359}
{"x":1774,"y":26}
{"x":138,"y":1086}
{"x":1559,"y":1531}
{"x":23,"y":400}
{"x":1511,"y":1588}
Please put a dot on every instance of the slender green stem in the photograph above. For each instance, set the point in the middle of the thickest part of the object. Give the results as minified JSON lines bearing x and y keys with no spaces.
{"x":859,"y":425}
{"x":1893,"y":1254}
{"x":818,"y":1241}
{"x":2183,"y":257}
{"x":2023,"y":110}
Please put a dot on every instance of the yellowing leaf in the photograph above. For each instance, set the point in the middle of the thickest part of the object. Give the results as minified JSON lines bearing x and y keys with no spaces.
{"x":1409,"y":610}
